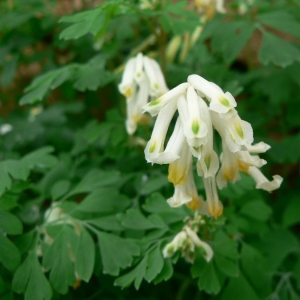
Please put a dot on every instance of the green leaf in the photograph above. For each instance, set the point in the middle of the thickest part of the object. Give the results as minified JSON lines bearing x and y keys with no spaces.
{"x":277,"y":244}
{"x":237,"y":287}
{"x":59,"y":189}
{"x":156,"y":203}
{"x":31,"y":280}
{"x":136,"y":275}
{"x":166,"y":272}
{"x":9,"y":253}
{"x":281,"y":20}
{"x":153,"y":184}
{"x":9,"y":223}
{"x":254,"y":267}
{"x":88,"y":76}
{"x":111,"y":223}
{"x":229,"y":41}
{"x":277,"y":51}
{"x":95,"y":180}
{"x":291,"y":214}
{"x":224,"y":246}
{"x":176,"y":18}
{"x":104,"y":201}
{"x":155,"y":264}
{"x":11,"y":168}
{"x":40,"y":158}
{"x":287,"y":150}
{"x":95,"y":21}
{"x":85,"y":255}
{"x":226,"y":265}
{"x":38,"y":88}
{"x":134,"y":219}
{"x":84,"y":23}
{"x":58,"y":259}
{"x":257,"y":210}
{"x":208,"y":279}
{"x":116,"y":252}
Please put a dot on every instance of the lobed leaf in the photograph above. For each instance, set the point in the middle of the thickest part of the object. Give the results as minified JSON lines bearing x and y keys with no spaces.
{"x":116,"y":252}
{"x":277,"y":51}
{"x":31,"y":280}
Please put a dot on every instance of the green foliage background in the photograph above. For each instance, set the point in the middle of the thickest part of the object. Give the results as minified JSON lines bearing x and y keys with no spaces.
{"x":69,"y":153}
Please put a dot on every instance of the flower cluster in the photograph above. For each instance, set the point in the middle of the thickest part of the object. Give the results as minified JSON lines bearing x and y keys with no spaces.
{"x":193,"y":137}
{"x":187,"y":241}
{"x":142,"y":81}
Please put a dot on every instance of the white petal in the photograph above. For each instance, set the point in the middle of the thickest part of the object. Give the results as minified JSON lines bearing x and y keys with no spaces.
{"x":155,"y":106}
{"x":205,"y":248}
{"x":126,"y":85}
{"x":219,"y":101}
{"x":195,"y":127}
{"x":155,"y":77}
{"x":139,"y":72}
{"x":240,"y":130}
{"x":260,"y":147}
{"x":178,"y":170}
{"x":180,"y":196}
{"x":215,"y":207}
{"x":154,"y":149}
{"x":262,"y":182}
{"x":208,"y":165}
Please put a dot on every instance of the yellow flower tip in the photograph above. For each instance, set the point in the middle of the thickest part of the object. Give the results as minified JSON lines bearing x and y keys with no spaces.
{"x":224,"y":101}
{"x":155,"y":102}
{"x":136,"y":118}
{"x":194,"y":204}
{"x":195,"y":126}
{"x":128,"y":92}
{"x":152,"y":147}
{"x":176,"y":175}
{"x":239,"y":130}
{"x":216,"y":209}
{"x":243,"y":166}
{"x":144,"y":120}
{"x":229,"y":173}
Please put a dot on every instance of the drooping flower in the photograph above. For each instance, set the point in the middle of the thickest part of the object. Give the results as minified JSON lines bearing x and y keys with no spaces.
{"x":142,"y":81}
{"x":187,"y":241}
{"x":194,"y":136}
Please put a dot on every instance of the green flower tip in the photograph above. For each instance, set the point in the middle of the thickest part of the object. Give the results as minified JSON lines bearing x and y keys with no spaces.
{"x":224,"y":101}
{"x":195,"y":126}
{"x":155,"y":102}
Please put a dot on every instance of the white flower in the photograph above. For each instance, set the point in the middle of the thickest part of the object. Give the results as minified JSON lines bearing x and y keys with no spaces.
{"x":127,"y":85}
{"x":208,"y":164}
{"x":155,"y":106}
{"x":205,"y":248}
{"x":186,"y":241}
{"x":142,"y":81}
{"x":177,"y":243}
{"x":154,"y":151}
{"x":220,"y":102}
{"x":193,"y":136}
